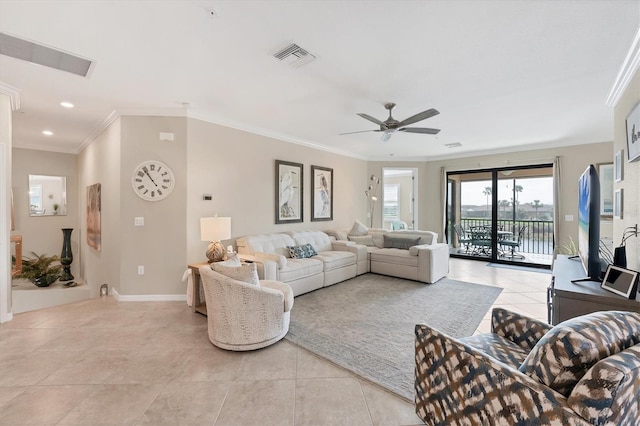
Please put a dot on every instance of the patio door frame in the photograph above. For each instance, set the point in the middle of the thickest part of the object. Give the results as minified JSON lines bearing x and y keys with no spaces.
{"x":494,"y":209}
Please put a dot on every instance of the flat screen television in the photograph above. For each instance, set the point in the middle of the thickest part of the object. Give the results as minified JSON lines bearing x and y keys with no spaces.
{"x":589,"y":223}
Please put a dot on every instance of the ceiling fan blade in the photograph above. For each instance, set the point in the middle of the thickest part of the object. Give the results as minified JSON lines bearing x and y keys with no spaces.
{"x":420,"y":130}
{"x":419,"y":117}
{"x":370,"y":118}
{"x":360,"y":131}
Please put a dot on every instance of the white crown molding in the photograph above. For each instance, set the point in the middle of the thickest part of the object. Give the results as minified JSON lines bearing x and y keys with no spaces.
{"x":278,"y":136}
{"x":13,"y":93}
{"x":115,"y":114}
{"x":627,"y":70}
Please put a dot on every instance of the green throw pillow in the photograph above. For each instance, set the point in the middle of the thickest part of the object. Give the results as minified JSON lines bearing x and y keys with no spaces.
{"x":400,"y":242}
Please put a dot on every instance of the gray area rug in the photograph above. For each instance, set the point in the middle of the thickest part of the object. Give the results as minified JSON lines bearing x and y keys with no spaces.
{"x":366,"y":324}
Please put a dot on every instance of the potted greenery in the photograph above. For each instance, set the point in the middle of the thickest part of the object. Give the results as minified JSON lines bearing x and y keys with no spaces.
{"x":55,"y":208}
{"x":41,"y":270}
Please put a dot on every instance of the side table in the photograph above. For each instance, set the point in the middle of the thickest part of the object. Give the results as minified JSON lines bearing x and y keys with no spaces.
{"x":199,"y":306}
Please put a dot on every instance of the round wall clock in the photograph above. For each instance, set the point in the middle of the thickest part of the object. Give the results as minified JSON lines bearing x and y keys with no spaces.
{"x":152,"y":180}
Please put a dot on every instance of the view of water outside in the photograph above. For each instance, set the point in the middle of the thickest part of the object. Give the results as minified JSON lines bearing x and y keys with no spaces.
{"x":534,"y":207}
{"x":532,"y":189}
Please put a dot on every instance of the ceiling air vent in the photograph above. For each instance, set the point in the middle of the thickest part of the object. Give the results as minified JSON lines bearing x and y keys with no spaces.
{"x":43,"y":55}
{"x":294,"y":55}
{"x":453,"y":145}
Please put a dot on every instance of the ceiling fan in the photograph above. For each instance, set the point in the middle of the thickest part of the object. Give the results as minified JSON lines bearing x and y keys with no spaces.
{"x":391,"y":125}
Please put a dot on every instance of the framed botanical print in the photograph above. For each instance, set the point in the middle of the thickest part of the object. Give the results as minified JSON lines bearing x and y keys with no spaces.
{"x":288,"y":197}
{"x":618,"y":166}
{"x":633,"y":133}
{"x":605,"y":174}
{"x":322,"y":193}
{"x":618,"y":207}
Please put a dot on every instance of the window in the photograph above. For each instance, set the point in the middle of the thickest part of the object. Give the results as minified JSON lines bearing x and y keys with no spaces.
{"x":35,"y":199}
{"x":391,"y":205}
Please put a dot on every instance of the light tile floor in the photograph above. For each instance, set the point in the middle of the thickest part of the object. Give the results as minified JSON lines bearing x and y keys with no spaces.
{"x":150,"y":363}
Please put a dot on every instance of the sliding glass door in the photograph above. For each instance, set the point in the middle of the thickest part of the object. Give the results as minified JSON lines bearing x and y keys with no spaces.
{"x":502,"y":215}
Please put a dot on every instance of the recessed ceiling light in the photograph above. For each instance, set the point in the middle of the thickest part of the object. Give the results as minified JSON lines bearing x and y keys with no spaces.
{"x":66,"y":104}
{"x":47,"y":132}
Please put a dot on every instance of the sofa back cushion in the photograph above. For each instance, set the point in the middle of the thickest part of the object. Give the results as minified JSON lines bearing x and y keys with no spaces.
{"x":609,"y":392}
{"x":269,"y":243}
{"x":318,"y":239}
{"x":565,"y":353}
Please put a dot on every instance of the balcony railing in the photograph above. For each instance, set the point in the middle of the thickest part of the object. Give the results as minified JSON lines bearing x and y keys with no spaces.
{"x":537,"y":238}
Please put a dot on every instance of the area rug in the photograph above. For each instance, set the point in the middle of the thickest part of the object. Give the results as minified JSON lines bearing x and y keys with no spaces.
{"x":366,"y":324}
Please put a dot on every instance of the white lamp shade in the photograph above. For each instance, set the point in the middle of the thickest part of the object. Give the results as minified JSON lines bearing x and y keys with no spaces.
{"x":215,"y":228}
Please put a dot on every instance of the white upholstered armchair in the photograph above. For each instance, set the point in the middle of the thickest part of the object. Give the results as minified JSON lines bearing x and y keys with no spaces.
{"x":243,"y":316}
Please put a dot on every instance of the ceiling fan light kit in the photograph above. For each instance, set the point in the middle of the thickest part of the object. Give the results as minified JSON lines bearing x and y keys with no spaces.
{"x":391,"y":125}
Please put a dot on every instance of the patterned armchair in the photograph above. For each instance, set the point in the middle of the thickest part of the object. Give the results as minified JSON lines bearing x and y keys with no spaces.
{"x":583,"y":371}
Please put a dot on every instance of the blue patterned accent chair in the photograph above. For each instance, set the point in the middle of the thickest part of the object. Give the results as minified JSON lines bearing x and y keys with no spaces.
{"x":583,"y":371}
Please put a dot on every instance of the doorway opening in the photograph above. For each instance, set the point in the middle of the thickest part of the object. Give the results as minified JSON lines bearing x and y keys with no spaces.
{"x":399,"y":198}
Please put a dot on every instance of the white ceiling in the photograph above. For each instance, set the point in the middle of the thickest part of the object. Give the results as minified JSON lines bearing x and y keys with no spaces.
{"x":505,"y":75}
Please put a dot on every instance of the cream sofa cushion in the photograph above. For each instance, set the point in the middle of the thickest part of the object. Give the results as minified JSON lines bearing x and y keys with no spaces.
{"x":366,"y":240}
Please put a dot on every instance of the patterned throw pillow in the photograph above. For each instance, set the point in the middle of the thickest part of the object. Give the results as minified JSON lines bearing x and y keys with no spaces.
{"x":302,"y":252}
{"x":358,"y":229}
{"x":246,"y":273}
{"x":566,"y":352}
{"x":400,"y":242}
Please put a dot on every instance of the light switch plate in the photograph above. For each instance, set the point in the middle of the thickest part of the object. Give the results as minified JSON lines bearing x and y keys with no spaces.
{"x":138,"y":221}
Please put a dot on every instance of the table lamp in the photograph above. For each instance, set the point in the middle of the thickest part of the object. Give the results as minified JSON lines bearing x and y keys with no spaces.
{"x":215,"y":229}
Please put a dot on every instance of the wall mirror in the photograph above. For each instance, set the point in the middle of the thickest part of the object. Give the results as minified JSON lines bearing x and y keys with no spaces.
{"x":47,"y":195}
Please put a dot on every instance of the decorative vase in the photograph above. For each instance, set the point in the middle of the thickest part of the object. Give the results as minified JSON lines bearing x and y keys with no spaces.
{"x":66,"y":257}
{"x":620,"y":256}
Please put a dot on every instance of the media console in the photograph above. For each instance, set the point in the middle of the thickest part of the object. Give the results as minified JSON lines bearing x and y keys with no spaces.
{"x":566,"y":299}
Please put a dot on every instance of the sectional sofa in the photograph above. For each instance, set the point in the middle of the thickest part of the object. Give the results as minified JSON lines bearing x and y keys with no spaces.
{"x":414,"y":255}
{"x":309,"y":260}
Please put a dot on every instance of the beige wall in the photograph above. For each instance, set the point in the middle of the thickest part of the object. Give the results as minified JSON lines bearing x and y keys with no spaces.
{"x":574,"y":160}
{"x":99,"y":163}
{"x":42,"y":234}
{"x":238,"y":169}
{"x":631,"y":173}
{"x":159,"y":245}
{"x":5,"y":206}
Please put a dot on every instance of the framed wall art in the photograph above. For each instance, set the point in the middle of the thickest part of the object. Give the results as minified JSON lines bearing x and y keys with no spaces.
{"x":605,"y":174}
{"x":618,"y":166}
{"x":618,"y":208}
{"x":322,"y":193}
{"x":288,"y":197}
{"x":94,"y":220}
{"x":633,"y":133}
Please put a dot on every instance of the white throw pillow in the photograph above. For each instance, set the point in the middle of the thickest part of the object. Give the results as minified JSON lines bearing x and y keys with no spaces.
{"x":246,"y":273}
{"x":232,"y":260}
{"x":358,"y":229}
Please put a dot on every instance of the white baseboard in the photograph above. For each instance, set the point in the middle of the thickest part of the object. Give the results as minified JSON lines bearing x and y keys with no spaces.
{"x":149,"y":297}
